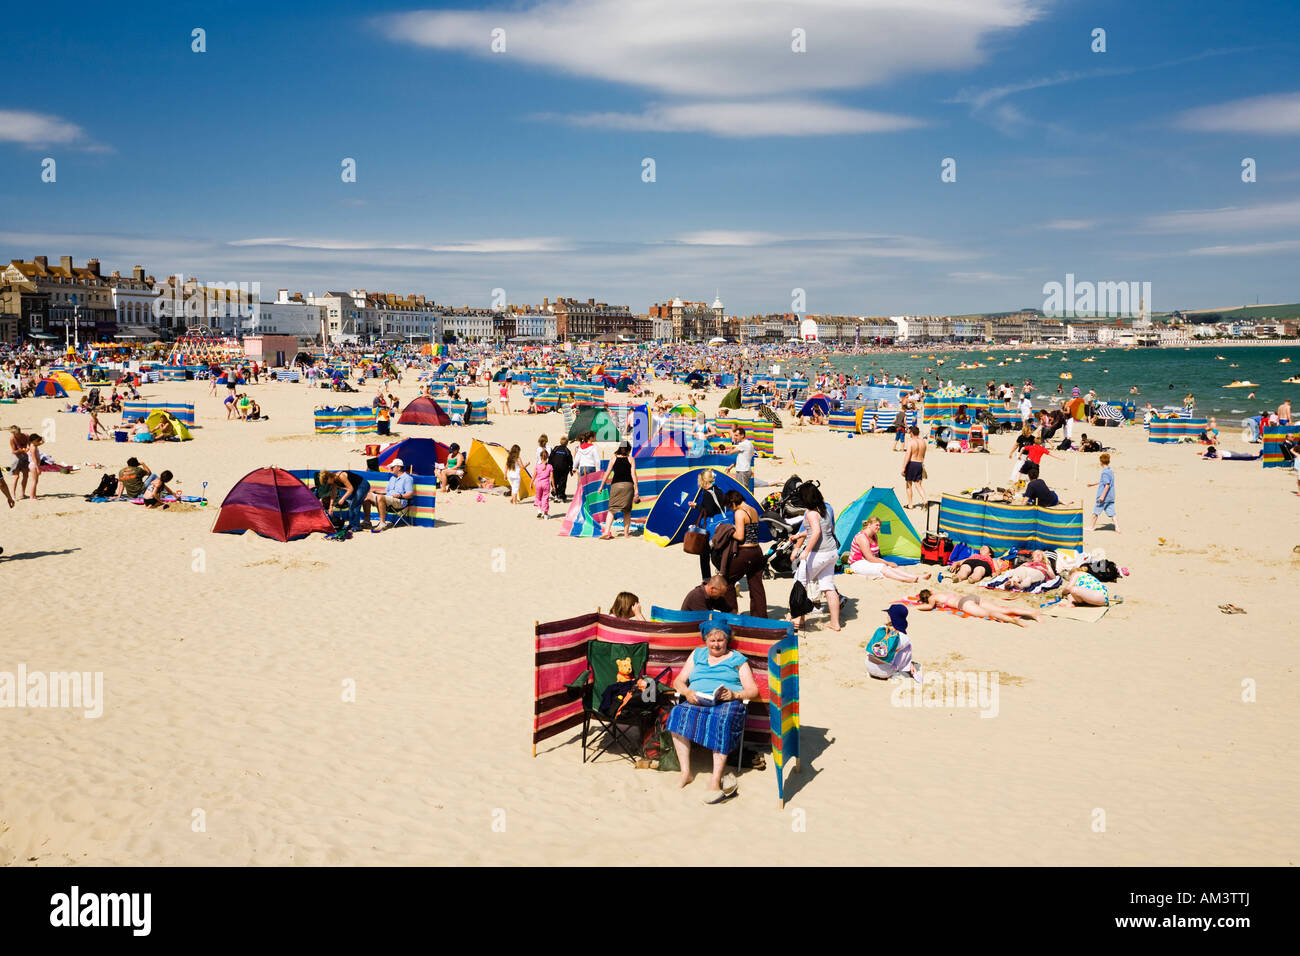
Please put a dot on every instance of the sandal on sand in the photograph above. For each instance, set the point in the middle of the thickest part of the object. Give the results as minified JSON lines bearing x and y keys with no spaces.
{"x":729,"y":783}
{"x":715,"y":796}
{"x":1231,"y":609}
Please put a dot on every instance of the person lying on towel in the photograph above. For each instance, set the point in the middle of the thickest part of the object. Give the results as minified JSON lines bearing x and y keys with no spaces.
{"x":1226,"y":454}
{"x":714,"y":682}
{"x":973,"y":605}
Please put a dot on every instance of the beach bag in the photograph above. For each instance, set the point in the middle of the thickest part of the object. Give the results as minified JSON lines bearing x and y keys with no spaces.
{"x":658,"y":745}
{"x":936,"y":548}
{"x":696,"y":541}
{"x":106,"y":489}
{"x":800,"y":604}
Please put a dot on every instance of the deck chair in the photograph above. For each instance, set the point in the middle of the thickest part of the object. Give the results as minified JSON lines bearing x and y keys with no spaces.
{"x":630,"y":726}
{"x":976,"y":439}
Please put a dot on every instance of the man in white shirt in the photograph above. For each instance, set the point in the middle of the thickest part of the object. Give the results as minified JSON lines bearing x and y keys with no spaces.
{"x":744,"y":450}
{"x":396,"y":496}
{"x":1026,"y":409}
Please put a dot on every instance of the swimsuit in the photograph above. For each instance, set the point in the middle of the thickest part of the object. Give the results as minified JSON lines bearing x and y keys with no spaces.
{"x":1089,"y":583}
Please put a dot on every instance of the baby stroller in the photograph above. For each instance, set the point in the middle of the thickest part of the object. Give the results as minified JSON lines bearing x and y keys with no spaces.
{"x":782,"y":519}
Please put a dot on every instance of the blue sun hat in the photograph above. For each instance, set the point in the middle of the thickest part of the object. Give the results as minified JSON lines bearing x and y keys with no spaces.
{"x":715,"y":624}
{"x":897,"y":617}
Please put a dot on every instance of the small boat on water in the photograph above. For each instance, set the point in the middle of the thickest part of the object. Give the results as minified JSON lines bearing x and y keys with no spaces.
{"x":1293,"y":380}
{"x":1246,"y":384}
{"x":1220,"y":358}
{"x":1234,"y":365}
{"x":1066,"y":375}
{"x":1283,"y":361}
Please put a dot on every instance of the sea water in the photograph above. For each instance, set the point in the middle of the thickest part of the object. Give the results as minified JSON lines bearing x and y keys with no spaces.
{"x":1162,"y":376}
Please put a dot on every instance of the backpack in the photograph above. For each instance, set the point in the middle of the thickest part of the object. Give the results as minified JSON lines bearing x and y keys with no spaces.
{"x":1105,"y":571}
{"x":106,"y":488}
{"x":800,"y":604}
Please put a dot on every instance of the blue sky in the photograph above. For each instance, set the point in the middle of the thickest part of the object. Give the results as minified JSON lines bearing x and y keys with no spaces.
{"x":774,"y":169}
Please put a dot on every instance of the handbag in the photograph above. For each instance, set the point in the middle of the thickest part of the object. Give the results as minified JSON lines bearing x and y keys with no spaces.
{"x":696,"y":541}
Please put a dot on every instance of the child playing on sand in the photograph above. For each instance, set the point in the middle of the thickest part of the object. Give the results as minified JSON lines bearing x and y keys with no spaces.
{"x":513,"y":468}
{"x":1105,"y":485}
{"x":889,"y":651}
{"x":542,"y":472}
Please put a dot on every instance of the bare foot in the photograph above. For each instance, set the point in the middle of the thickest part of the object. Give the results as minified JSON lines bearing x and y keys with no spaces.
{"x":832,"y":627}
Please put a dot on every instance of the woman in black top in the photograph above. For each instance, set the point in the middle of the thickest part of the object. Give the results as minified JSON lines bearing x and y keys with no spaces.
{"x":707,"y":503}
{"x":623,"y":491}
{"x":749,"y":562}
{"x":562,"y":464}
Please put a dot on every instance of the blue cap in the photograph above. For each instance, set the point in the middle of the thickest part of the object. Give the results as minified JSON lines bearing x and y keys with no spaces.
{"x":715,"y":624}
{"x":897,"y":616}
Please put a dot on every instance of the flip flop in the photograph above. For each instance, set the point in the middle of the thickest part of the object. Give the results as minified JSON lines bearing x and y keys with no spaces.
{"x":715,"y":796}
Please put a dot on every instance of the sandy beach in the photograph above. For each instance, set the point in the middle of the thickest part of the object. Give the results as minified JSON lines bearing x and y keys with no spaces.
{"x":225,"y":737}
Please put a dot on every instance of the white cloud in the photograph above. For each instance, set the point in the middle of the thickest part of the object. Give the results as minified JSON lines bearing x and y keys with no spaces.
{"x":1277,"y":114}
{"x":981,"y":277}
{"x":728,"y":237}
{"x":1268,"y":216}
{"x":835,"y":246}
{"x":39,"y":129}
{"x":475,"y":246}
{"x":1249,"y":249}
{"x":766,"y":118}
{"x":729,"y":48}
{"x":1070,"y":225}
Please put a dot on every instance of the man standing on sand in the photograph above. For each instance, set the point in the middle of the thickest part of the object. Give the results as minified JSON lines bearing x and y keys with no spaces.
{"x":1026,"y":409}
{"x":743,"y":449}
{"x":914,"y":464}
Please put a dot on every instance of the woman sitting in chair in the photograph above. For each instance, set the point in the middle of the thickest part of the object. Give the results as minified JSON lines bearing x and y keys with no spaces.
{"x":714,"y":683}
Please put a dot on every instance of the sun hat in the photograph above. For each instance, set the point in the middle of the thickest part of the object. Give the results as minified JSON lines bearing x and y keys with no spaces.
{"x":897,"y":616}
{"x":397,"y":463}
{"x":715,"y":624}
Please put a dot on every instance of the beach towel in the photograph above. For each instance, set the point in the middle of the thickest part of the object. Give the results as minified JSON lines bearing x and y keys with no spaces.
{"x":1089,"y":615}
{"x":1001,"y":583}
{"x":913,"y":601}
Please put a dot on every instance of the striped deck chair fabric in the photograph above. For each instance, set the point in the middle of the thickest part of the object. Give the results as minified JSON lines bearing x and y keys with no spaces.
{"x":420,"y":513}
{"x":1273,"y":436}
{"x":183,"y":412}
{"x":335,"y":421}
{"x":560,"y":649}
{"x":1006,"y":527}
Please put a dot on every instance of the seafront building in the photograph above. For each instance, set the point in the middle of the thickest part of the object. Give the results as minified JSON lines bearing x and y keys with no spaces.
{"x":47,"y":304}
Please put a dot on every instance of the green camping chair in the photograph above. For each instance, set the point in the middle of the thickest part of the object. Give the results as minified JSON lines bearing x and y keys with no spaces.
{"x":637,"y":718}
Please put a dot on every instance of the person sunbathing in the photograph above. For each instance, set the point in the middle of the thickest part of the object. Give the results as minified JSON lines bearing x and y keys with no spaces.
{"x":1082,"y":589}
{"x":972,"y":605}
{"x":1030,"y":574}
{"x":865,"y":557}
{"x":974,"y":569}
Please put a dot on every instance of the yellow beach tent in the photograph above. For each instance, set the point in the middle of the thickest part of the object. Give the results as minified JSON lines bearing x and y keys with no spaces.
{"x":156,"y":417}
{"x":488,"y":460}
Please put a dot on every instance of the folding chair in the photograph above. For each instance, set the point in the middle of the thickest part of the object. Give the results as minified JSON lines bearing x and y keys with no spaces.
{"x":625,"y":720}
{"x":395,"y":519}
